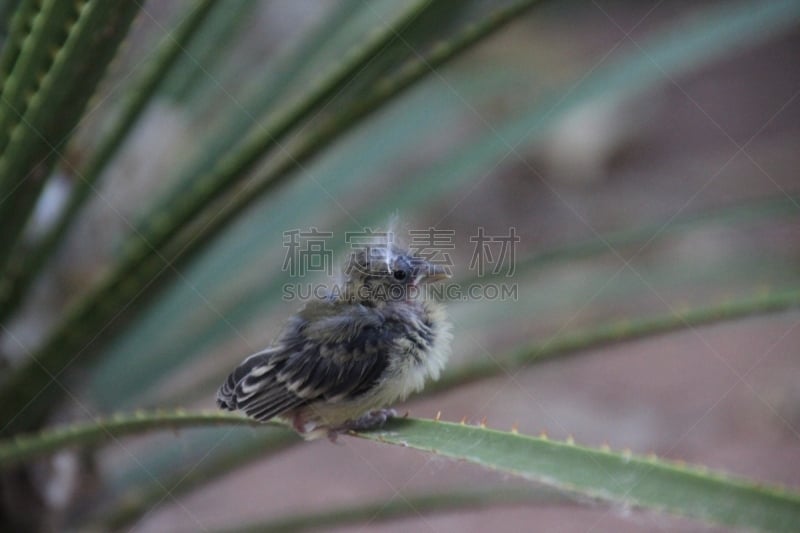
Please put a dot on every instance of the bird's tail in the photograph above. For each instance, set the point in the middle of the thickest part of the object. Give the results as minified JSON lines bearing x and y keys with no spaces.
{"x":226,"y":395}
{"x":226,"y":399}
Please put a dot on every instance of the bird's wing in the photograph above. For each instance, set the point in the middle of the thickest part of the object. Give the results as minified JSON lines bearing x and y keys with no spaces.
{"x":331,"y":357}
{"x":252,"y":387}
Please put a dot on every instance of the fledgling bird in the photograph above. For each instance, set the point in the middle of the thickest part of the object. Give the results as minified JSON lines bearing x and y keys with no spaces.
{"x":341,"y":361}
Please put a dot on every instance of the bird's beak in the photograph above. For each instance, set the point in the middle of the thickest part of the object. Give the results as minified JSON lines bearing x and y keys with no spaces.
{"x":435,"y":273}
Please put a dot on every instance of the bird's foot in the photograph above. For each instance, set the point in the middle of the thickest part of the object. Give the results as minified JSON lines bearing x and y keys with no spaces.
{"x":371,"y":420}
{"x":298,"y":424}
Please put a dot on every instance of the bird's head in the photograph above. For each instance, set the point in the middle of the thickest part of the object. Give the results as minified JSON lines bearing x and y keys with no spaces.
{"x":387,"y":273}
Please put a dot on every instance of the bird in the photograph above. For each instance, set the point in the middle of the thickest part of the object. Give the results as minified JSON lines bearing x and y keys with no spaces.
{"x":343,"y":359}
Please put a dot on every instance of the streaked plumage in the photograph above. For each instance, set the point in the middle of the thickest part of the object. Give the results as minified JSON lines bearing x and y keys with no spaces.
{"x":366,"y":346}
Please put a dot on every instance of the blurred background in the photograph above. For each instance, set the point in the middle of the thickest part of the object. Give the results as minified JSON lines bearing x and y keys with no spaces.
{"x":645,"y":153}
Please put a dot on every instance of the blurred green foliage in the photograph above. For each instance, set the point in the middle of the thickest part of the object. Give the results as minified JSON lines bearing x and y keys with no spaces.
{"x":317,"y":134}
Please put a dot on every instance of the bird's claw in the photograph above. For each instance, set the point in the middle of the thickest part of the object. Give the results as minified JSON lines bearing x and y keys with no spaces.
{"x":371,"y":420}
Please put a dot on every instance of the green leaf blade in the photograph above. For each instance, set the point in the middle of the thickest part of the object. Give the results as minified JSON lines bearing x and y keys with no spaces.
{"x":26,"y":263}
{"x":54,"y":109}
{"x":617,"y":477}
{"x":621,"y":478}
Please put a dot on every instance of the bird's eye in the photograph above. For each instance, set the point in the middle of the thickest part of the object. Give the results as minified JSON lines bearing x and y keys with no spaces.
{"x":400,"y":275}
